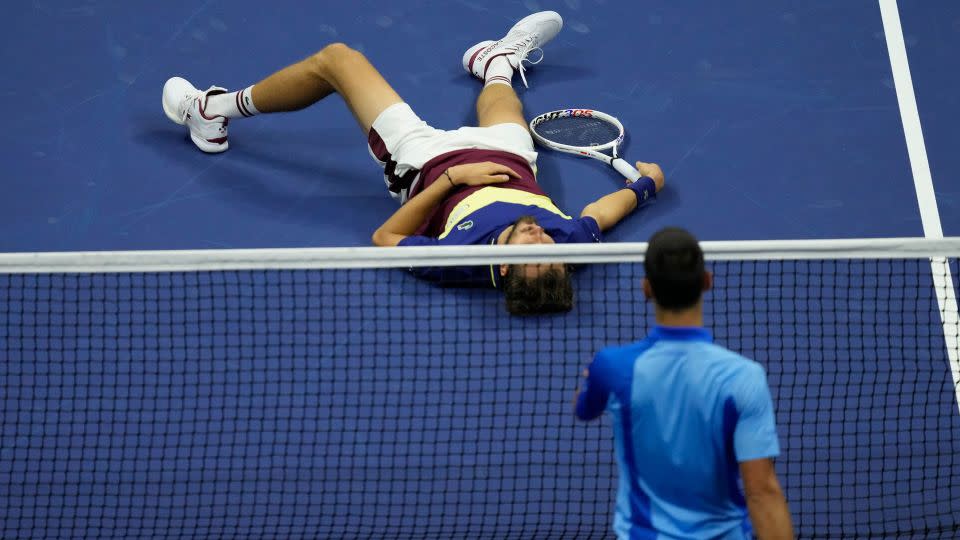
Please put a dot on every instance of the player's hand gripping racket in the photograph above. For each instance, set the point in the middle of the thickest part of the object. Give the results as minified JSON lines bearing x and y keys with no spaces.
{"x":584,"y":132}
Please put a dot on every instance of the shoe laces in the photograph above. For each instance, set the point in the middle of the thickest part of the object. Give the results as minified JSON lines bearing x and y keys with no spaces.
{"x":523,"y":51}
{"x":523,"y":59}
{"x":185,"y":105}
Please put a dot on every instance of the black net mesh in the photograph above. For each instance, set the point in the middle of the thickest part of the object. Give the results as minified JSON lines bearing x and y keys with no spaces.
{"x":366,"y":404}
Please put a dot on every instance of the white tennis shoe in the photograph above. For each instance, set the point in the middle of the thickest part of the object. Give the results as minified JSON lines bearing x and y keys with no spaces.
{"x":185,"y":104}
{"x":528,"y":35}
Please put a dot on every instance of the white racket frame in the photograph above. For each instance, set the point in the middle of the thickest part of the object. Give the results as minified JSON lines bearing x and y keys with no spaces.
{"x":596,"y":151}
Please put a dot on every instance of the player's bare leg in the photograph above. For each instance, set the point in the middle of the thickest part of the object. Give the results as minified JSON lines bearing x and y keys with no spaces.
{"x":335,"y":69}
{"x":499,"y":104}
{"x":496,"y":62}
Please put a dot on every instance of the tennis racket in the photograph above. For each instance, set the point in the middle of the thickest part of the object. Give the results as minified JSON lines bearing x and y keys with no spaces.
{"x":584,"y":132}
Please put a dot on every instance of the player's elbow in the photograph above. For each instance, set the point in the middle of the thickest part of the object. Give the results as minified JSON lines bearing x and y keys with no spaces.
{"x":589,"y":210}
{"x":595,"y":211}
{"x":380,"y":238}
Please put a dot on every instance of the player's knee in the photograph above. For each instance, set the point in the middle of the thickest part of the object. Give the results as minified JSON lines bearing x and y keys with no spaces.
{"x":334,"y":56}
{"x":336,"y":49}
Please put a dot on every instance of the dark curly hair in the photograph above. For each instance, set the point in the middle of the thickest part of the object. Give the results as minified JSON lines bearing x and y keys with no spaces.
{"x":550,"y":292}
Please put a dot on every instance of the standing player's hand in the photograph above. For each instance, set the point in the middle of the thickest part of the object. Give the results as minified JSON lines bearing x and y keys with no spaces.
{"x":653,"y":171}
{"x":479,"y":174}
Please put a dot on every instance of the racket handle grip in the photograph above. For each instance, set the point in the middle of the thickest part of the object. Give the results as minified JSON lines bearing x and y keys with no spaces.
{"x":626,"y":169}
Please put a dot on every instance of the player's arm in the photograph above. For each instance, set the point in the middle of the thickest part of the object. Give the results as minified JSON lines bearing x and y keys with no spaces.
{"x":408,"y":218}
{"x":610,"y":209}
{"x":755,"y":444}
{"x":590,"y":400}
{"x":765,"y":500}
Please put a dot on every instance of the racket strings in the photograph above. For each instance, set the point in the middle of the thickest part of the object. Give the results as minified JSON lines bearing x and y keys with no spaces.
{"x":578,"y":131}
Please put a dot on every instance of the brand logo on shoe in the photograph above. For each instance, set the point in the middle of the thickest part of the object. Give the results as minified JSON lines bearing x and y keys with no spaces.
{"x":483,"y":54}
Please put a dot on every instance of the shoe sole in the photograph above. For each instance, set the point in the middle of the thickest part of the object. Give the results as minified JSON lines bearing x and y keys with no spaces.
{"x":209,"y":148}
{"x":203,"y":145}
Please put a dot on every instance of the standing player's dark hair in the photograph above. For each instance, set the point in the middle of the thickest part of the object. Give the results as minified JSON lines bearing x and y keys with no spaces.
{"x":675,"y":269}
{"x":550,"y":292}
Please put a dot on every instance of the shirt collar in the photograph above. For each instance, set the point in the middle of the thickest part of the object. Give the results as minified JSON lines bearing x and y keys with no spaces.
{"x":681,"y":333}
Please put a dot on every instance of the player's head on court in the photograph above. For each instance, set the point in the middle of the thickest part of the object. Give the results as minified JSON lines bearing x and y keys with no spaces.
{"x":676,"y":276}
{"x":533,"y":289}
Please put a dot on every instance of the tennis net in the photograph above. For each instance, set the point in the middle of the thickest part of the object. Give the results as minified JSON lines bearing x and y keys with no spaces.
{"x":327,"y":394}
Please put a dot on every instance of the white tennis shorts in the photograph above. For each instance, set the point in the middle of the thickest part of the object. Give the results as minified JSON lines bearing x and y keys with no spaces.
{"x":402,"y":143}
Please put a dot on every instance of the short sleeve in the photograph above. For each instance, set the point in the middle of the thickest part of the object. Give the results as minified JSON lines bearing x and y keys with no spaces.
{"x":586,"y":231}
{"x":417,"y":240}
{"x":449,"y":276}
{"x":594,"y":388}
{"x":755,"y":435}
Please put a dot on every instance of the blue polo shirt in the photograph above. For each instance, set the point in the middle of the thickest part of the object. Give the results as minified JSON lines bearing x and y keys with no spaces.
{"x":685,"y":412}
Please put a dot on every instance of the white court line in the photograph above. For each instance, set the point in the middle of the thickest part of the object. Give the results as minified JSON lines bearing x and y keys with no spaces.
{"x":923,"y":182}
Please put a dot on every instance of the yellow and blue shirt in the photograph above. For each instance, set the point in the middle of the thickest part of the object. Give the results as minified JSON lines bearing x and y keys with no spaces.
{"x":478,"y":214}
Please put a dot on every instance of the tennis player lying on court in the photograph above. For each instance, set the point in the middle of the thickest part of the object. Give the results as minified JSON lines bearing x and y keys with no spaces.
{"x":690,"y":417}
{"x":473,"y":185}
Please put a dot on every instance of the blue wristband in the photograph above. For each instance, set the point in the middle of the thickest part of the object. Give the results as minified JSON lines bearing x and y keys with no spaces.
{"x":645,"y":189}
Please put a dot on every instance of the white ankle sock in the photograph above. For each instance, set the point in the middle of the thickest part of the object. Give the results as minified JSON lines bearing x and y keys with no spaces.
{"x":232,"y":104}
{"x":499,"y":72}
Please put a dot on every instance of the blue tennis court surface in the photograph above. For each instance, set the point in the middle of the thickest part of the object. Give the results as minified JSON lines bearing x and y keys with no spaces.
{"x":935,"y":30}
{"x":772,"y":119}
{"x":145,"y":404}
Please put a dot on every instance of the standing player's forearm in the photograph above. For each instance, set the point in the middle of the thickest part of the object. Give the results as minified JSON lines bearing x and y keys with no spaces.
{"x":770,"y":516}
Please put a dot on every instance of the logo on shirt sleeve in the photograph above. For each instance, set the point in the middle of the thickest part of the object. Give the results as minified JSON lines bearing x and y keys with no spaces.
{"x":465,"y":226}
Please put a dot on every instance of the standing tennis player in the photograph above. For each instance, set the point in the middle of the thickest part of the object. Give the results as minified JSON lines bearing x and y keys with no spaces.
{"x":473,"y":185}
{"x":690,"y":418}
